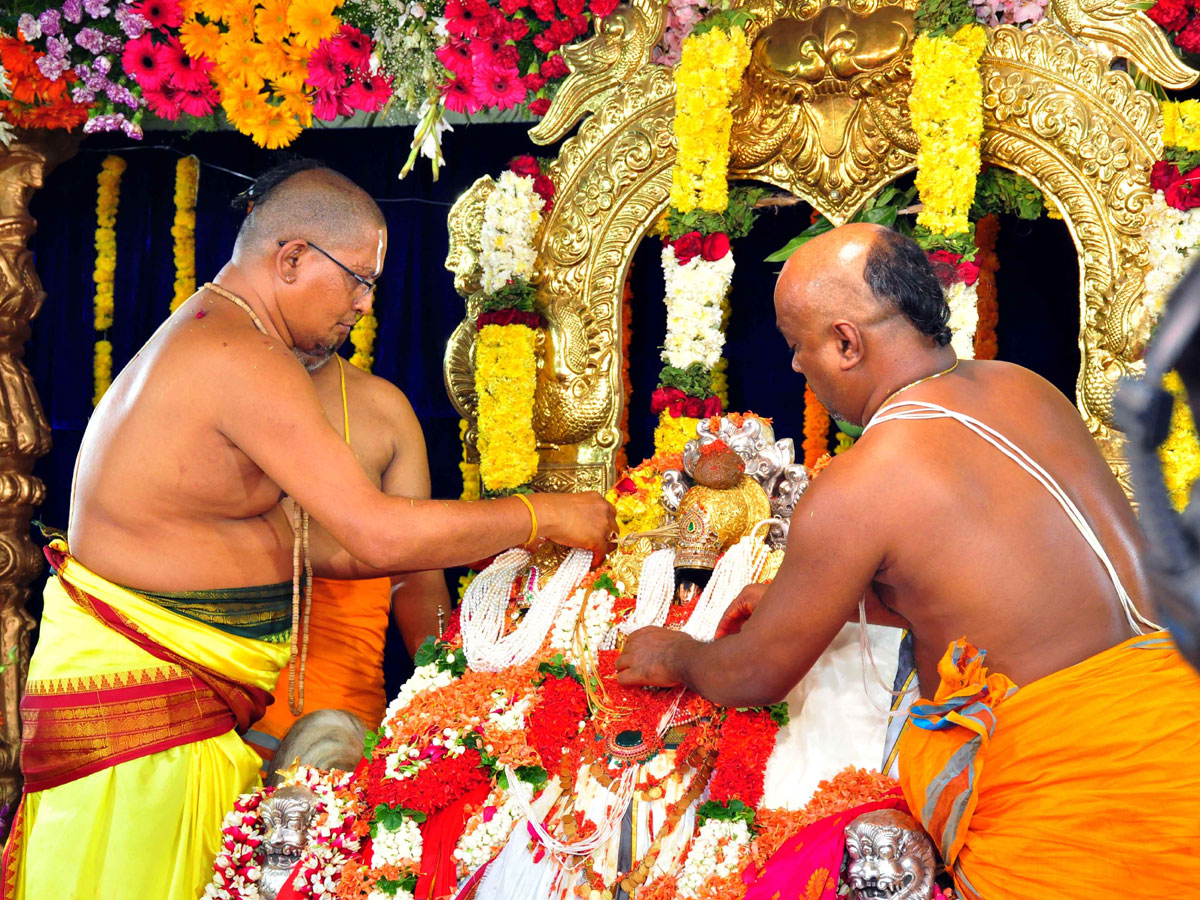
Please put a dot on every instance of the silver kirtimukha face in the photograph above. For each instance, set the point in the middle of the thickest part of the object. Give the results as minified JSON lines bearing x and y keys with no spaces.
{"x":286,"y":817}
{"x":891,"y":857}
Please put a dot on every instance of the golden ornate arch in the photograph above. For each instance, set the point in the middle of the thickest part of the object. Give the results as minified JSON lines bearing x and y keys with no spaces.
{"x":823,"y":114}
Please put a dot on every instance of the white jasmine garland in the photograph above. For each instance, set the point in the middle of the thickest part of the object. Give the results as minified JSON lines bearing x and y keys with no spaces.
{"x":400,"y":847}
{"x":598,"y":623}
{"x":693,"y":295}
{"x":427,"y":678}
{"x":562,"y":635}
{"x":481,"y":839}
{"x":1172,"y":236}
{"x":714,"y":853}
{"x":510,"y":716}
{"x":511,"y":216}
{"x":964,"y":318}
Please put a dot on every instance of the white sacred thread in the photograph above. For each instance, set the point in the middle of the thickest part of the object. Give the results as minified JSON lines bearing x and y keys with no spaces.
{"x":485,"y":605}
{"x":741,"y":565}
{"x":656,"y":587}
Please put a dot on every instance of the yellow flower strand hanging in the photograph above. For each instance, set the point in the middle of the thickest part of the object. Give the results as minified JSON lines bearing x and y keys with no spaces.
{"x":946,"y":105}
{"x":183,"y":230}
{"x":362,"y":337}
{"x":108,"y":194}
{"x":505,"y":379}
{"x":1180,"y":452}
{"x":707,"y":79}
{"x":1181,"y":124}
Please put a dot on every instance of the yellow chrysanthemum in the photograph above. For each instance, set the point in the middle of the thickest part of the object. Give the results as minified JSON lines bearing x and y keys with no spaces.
{"x":946,"y":105}
{"x":183,"y":230}
{"x":1180,"y":453}
{"x":312,"y":21}
{"x":270,"y":22}
{"x":362,"y":336}
{"x":505,"y":378}
{"x":672,"y":434}
{"x":275,"y":128}
{"x":1181,"y":124}
{"x":707,"y":79}
{"x":641,"y":510}
{"x":102,"y":365}
{"x":240,"y":61}
{"x":200,"y":39}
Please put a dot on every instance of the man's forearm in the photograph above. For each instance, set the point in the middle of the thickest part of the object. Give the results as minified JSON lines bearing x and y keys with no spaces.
{"x":417,"y":600}
{"x":728,"y":671}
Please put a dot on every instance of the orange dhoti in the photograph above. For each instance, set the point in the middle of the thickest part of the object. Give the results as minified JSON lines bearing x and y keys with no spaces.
{"x":1081,"y":784}
{"x":346,"y":631}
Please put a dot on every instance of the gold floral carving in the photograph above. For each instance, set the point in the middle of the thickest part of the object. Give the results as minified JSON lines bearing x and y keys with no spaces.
{"x":823,"y":114}
{"x":1087,"y":137}
{"x":24,"y":432}
{"x":824,"y":107}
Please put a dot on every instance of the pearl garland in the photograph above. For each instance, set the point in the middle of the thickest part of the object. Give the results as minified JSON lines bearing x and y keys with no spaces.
{"x":656,"y":587}
{"x":741,"y":565}
{"x":484,"y":606}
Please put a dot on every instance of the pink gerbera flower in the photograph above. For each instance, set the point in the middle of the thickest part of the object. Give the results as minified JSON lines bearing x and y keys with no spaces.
{"x":459,"y":96}
{"x":325,"y":71}
{"x":455,"y":55}
{"x":461,"y":21}
{"x":325,"y":105}
{"x":352,"y":47}
{"x":370,"y":94}
{"x":172,"y":58}
{"x":192,"y":76}
{"x":165,"y":101}
{"x":499,"y":88}
{"x":199,"y":102}
{"x":494,"y":52}
{"x":161,"y":14}
{"x":141,"y":62}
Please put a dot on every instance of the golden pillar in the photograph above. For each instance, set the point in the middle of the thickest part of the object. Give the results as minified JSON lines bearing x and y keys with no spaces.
{"x":24,"y":432}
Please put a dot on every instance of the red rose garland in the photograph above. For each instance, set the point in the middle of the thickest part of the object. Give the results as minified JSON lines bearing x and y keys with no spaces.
{"x":987,"y":230}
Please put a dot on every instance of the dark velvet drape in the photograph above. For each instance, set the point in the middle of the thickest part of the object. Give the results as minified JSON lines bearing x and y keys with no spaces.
{"x":416,"y":305}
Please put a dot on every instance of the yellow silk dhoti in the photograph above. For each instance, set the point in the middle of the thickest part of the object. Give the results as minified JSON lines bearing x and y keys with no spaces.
{"x":132,"y":743}
{"x":1080,"y":784}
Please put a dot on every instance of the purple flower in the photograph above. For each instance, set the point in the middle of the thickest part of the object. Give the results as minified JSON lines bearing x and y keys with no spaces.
{"x":49,"y":20}
{"x":58,"y":47}
{"x":131,"y":23}
{"x":113,"y":44}
{"x":30,"y":28}
{"x":72,"y":11}
{"x":97,"y":9}
{"x":83,"y":94}
{"x":90,"y":39}
{"x":131,"y":129}
{"x":118,"y":93}
{"x":52,"y":68}
{"x":103,"y":65}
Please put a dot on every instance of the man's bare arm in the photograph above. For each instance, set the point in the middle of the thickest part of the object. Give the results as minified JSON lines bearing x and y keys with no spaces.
{"x":835,"y":547}
{"x":273,"y":415}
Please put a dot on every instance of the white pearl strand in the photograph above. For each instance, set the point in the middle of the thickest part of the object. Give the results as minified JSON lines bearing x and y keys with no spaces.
{"x":484,"y":606}
{"x":656,"y":587}
{"x":741,"y":565}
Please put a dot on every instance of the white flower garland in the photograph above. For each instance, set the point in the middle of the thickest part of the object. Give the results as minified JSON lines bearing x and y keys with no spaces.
{"x":1172,"y":237}
{"x":400,"y":847}
{"x":599,"y":633}
{"x":487,"y":832}
{"x":511,"y":216}
{"x":963,"y":300}
{"x":715,"y":853}
{"x":562,"y":635}
{"x":427,"y":678}
{"x":693,"y":295}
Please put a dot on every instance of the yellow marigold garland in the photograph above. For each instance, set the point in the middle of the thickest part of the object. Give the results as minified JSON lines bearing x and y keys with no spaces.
{"x":183,"y":230}
{"x":816,"y":428}
{"x":362,"y":337}
{"x":108,"y":195}
{"x":640,"y":510}
{"x":708,"y":77}
{"x":470,"y":470}
{"x":1180,"y":453}
{"x":505,"y":372}
{"x":1181,"y":124}
{"x":946,"y":105}
{"x":672,"y":434}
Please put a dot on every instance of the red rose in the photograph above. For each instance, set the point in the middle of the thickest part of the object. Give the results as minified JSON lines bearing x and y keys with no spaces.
{"x":544,"y":188}
{"x":561,"y":32}
{"x":526,"y":165}
{"x":602,"y":8}
{"x":544,"y":43}
{"x":539,"y":106}
{"x":543,"y":9}
{"x":693,"y":407}
{"x":626,"y":486}
{"x":1185,"y":193}
{"x":688,"y":247}
{"x":554,"y":67}
{"x":508,"y":317}
{"x":712,"y":407}
{"x":663,"y":397}
{"x":580,"y":25}
{"x":1170,"y":14}
{"x":517,"y":29}
{"x":945,"y":257}
{"x":945,"y":266}
{"x":533,"y":82}
{"x":570,"y":7}
{"x":1189,"y":38}
{"x":716,"y":246}
{"x":1163,"y":174}
{"x":968,"y":272}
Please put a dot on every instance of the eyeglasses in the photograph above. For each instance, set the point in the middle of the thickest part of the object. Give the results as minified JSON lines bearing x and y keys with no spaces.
{"x":366,"y":285}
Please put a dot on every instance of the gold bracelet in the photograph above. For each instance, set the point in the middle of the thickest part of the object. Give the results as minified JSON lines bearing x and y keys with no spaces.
{"x":533,"y":531}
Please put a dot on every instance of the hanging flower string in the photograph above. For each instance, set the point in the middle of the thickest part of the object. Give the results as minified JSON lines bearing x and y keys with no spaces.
{"x":622,"y":459}
{"x":987,"y":231}
{"x":816,"y":429}
{"x":108,"y":195}
{"x":183,"y":230}
{"x":362,"y":338}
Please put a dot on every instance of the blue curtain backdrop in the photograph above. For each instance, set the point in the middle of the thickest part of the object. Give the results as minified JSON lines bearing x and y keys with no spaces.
{"x":416,"y":304}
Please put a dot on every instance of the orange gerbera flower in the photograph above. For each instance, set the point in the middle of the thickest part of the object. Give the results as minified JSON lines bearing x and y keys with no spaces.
{"x":271,"y":22}
{"x":240,"y":61}
{"x":243,"y":103}
{"x":239,"y":16}
{"x":312,"y":21}
{"x":200,"y":39}
{"x":276,"y":128}
{"x":271,"y":61}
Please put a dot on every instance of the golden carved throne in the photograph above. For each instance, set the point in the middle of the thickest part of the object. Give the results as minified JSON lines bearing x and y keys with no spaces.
{"x":823,"y":115}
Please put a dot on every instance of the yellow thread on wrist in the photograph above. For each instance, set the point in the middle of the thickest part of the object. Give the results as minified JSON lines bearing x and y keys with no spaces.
{"x":533,"y":530}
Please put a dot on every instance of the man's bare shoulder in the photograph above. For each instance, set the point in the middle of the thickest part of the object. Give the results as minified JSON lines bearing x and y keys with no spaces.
{"x":385,"y":401}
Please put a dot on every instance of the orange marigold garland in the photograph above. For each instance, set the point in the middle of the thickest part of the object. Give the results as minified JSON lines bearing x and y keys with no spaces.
{"x":816,"y":428}
{"x":987,"y":230}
